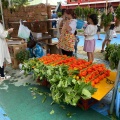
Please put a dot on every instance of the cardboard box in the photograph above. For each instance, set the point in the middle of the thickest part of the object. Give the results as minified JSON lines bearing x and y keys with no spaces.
{"x":14,"y":49}
{"x":15,"y":63}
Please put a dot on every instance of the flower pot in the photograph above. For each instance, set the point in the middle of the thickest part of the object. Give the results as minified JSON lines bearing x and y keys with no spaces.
{"x":42,"y":82}
{"x":106,"y":28}
{"x":117,"y":22}
{"x":101,"y":25}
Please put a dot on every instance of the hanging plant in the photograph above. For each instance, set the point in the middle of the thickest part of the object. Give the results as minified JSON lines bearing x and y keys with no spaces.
{"x":117,"y":22}
{"x":86,"y":12}
{"x":106,"y":21}
{"x":78,"y":11}
{"x":59,"y":14}
{"x":14,"y":4}
{"x":5,"y":4}
{"x":92,"y":11}
{"x":102,"y":19}
{"x":118,"y":12}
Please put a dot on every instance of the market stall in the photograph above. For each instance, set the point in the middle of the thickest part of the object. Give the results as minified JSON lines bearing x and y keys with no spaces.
{"x":72,"y":80}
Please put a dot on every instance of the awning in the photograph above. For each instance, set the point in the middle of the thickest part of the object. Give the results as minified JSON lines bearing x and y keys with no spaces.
{"x":89,"y":3}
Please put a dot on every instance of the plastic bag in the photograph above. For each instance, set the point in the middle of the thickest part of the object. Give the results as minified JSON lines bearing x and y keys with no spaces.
{"x":23,"y":31}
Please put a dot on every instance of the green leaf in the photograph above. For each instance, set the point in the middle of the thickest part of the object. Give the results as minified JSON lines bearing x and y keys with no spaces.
{"x":36,"y":70}
{"x":44,"y":99}
{"x":86,"y":93}
{"x":62,"y":106}
{"x":52,"y":112}
{"x":69,"y":114}
{"x":34,"y":97}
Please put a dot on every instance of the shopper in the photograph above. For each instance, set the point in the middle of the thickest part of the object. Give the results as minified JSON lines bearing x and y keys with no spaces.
{"x":76,"y":41}
{"x":61,"y":20}
{"x":90,"y":31}
{"x":67,"y":38}
{"x":110,"y":31}
{"x":35,"y":49}
{"x":98,"y":25}
{"x":54,"y":22}
{"x":4,"y":52}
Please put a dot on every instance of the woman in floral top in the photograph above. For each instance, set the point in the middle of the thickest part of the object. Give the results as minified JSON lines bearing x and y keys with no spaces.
{"x":67,"y":37}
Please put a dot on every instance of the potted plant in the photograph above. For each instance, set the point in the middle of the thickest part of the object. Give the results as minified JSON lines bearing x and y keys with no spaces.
{"x":117,"y":23}
{"x":79,"y":11}
{"x":86,"y":12}
{"x":59,"y":14}
{"x":21,"y":56}
{"x":102,"y":19}
{"x":107,"y":21}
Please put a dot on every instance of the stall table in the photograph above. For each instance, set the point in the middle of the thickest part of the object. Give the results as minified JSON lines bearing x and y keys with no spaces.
{"x":103,"y":88}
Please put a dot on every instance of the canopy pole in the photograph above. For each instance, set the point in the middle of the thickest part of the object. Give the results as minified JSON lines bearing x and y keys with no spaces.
{"x":115,"y":89}
{"x":106,"y":6}
{"x":2,"y":14}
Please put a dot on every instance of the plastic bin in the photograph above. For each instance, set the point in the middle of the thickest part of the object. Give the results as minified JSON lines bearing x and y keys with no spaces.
{"x":37,"y":35}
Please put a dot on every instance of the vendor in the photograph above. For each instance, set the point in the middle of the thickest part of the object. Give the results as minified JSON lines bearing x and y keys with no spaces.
{"x":35,"y":49}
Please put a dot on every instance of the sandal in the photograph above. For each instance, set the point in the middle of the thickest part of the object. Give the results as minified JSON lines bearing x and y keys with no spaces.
{"x":5,"y":78}
{"x":102,"y":51}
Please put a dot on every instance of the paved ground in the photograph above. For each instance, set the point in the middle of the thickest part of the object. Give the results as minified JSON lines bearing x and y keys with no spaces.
{"x":21,"y":98}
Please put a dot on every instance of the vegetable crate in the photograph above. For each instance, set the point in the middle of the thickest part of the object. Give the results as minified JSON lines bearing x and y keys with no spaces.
{"x":86,"y":104}
{"x":43,"y":82}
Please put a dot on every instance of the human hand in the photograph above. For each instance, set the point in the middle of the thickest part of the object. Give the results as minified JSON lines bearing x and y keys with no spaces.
{"x":10,"y":30}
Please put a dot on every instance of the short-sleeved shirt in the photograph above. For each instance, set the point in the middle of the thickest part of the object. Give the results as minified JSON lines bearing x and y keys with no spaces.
{"x":90,"y":31}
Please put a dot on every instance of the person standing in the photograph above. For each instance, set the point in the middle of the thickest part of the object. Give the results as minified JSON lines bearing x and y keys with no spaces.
{"x":76,"y":42}
{"x":110,"y":31}
{"x":90,"y":31}
{"x":60,"y":23}
{"x":61,"y":20}
{"x":98,"y":25}
{"x":4,"y":52}
{"x":67,"y":38}
{"x":54,"y":22}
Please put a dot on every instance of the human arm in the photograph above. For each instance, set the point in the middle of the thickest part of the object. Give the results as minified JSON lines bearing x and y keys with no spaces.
{"x":3,"y":33}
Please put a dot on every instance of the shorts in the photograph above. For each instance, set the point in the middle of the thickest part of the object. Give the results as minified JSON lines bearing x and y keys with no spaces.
{"x":98,"y":29}
{"x":89,"y":45}
{"x":109,"y":35}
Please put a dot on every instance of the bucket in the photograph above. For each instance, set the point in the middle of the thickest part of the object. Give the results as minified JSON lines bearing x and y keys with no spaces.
{"x":80,"y":24}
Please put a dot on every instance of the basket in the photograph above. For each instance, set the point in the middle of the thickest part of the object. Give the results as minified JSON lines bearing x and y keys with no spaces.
{"x":80,"y":24}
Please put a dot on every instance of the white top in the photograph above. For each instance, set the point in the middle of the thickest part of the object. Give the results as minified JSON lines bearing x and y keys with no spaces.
{"x":73,"y":24}
{"x":90,"y":31}
{"x":58,"y":25}
{"x":4,"y":53}
{"x":99,"y":20}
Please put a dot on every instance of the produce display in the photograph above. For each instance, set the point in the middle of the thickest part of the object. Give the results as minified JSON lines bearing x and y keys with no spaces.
{"x":70,"y":78}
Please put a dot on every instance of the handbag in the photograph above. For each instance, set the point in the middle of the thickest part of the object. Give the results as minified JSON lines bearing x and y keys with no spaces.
{"x":23,"y":31}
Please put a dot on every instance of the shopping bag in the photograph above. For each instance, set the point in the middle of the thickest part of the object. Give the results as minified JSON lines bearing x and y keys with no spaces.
{"x":23,"y":31}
